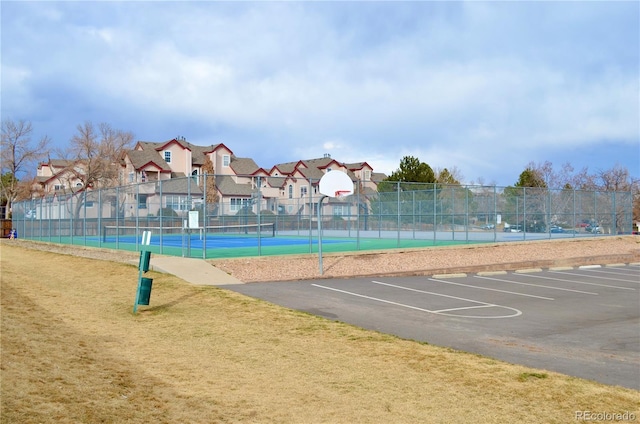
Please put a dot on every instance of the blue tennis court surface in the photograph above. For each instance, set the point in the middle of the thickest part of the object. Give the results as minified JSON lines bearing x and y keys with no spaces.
{"x":214,"y":246}
{"x":197,"y":242}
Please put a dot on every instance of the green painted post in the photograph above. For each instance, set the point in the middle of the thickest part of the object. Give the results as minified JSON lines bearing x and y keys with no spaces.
{"x":143,"y":266}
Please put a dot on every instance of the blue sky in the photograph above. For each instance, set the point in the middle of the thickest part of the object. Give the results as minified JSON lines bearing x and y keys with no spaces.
{"x":485,"y":87}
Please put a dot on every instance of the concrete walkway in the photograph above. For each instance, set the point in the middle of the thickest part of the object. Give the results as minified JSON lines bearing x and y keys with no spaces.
{"x":192,"y":270}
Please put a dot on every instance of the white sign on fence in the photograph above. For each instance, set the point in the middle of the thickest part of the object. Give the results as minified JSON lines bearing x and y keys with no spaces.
{"x":193,"y":219}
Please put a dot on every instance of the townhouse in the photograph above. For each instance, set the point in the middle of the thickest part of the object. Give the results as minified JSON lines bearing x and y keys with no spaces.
{"x":171,"y":174}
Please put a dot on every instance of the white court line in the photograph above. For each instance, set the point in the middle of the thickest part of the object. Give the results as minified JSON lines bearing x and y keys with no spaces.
{"x":517,"y":312}
{"x":601,"y":278}
{"x":583,"y":282}
{"x":536,"y":285}
{"x":487,"y":288}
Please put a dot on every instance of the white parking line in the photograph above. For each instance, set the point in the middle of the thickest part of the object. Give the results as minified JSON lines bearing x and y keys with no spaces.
{"x":487,"y":288}
{"x":454,"y":297}
{"x":488,"y":305}
{"x":372,"y":298}
{"x":537,"y":285}
{"x":583,"y":282}
{"x":427,"y":292}
{"x":600,"y":278}
{"x":611,"y":271}
{"x":515,"y":313}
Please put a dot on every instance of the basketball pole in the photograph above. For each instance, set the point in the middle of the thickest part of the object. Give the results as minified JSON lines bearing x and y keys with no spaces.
{"x":320,"y":232}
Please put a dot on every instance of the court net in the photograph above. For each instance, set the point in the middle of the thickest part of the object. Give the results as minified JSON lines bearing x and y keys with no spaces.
{"x":129,"y":234}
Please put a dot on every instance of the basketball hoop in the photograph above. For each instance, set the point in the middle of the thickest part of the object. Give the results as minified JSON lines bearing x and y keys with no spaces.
{"x":335,"y":184}
{"x":332,"y":184}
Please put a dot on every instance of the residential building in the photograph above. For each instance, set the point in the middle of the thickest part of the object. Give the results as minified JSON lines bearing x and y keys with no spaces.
{"x":170,"y":175}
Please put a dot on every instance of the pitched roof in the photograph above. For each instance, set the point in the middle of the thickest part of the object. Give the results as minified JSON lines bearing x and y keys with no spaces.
{"x":285,"y":168}
{"x":141,"y":158}
{"x":181,"y":186}
{"x":312,"y":173}
{"x":376,"y":177}
{"x":228,"y":187}
{"x":357,"y":165}
{"x":320,"y":162}
{"x":244,"y":166}
{"x":198,"y":153}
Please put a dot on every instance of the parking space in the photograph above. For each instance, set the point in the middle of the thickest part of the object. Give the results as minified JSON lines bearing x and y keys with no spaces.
{"x":583,"y":321}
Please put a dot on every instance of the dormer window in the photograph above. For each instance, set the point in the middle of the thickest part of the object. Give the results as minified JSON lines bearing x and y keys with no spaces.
{"x":226,"y":159}
{"x":167,"y":156}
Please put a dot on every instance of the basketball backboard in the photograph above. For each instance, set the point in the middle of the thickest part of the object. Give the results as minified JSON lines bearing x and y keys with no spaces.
{"x":336,"y":184}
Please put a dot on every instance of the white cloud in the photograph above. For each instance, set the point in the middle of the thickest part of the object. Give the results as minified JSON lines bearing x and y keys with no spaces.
{"x":454,"y":84}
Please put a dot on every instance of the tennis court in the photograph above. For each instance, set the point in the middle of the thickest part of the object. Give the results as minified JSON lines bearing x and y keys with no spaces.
{"x":248,"y":240}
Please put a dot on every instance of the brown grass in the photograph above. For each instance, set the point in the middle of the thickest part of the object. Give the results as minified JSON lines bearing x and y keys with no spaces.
{"x":73,"y":351}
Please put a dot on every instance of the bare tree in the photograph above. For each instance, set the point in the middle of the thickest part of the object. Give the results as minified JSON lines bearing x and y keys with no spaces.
{"x":18,"y":153}
{"x":95,"y":154}
{"x":209,"y":171}
{"x":616,"y":179}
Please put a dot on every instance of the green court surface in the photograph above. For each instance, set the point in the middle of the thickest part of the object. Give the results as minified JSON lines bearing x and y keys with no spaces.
{"x":233,"y":247}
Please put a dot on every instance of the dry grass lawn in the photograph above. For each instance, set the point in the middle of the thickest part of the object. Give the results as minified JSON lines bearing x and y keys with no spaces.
{"x":74,"y":352}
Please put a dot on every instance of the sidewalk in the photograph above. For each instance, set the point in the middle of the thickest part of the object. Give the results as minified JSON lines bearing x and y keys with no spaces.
{"x":192,"y":270}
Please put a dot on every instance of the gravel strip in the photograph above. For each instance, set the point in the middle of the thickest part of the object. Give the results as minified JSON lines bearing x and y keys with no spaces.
{"x":426,"y":261}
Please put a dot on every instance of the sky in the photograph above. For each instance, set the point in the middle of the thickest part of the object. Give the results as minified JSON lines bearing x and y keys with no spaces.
{"x":481,"y":87}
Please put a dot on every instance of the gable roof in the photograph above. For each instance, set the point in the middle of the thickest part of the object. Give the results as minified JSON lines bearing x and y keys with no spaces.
{"x":357,"y":165}
{"x":244,"y":166}
{"x":141,"y":158}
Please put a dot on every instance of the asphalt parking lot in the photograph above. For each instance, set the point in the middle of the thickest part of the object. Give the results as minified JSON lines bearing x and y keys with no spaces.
{"x":583,"y":322}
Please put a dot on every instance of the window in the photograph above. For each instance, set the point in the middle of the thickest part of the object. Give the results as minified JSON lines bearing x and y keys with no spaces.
{"x":178,"y":203}
{"x":237,"y":204}
{"x":290,"y":191}
{"x":131,"y":177}
{"x":367,"y":175}
{"x":303,"y":191}
{"x":167,"y":156}
{"x":226,"y":159}
{"x":339,"y":210}
{"x":58,"y":187}
{"x":142,"y":201}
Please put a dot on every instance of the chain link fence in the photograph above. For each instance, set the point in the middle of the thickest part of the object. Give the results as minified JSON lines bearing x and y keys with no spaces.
{"x":188,"y":217}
